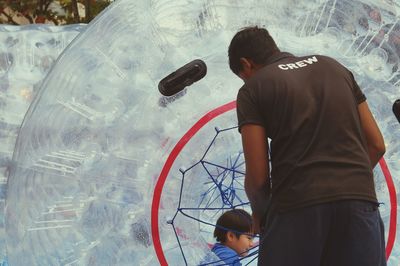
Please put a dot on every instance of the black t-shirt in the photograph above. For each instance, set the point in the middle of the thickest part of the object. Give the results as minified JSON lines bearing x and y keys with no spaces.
{"x":308,"y":107}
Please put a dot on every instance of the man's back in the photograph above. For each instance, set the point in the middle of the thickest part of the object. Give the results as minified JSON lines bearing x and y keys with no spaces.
{"x":309,"y":110}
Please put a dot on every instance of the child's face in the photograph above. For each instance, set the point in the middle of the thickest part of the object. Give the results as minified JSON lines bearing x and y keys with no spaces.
{"x":241,"y":244}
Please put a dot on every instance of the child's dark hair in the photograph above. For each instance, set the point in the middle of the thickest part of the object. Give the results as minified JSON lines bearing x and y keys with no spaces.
{"x":237,"y":221}
{"x":251,"y":43}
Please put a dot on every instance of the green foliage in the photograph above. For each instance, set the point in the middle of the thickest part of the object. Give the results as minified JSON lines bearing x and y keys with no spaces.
{"x":18,"y":12}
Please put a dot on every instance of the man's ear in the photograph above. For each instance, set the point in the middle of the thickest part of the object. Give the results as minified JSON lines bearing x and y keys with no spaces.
{"x":246,"y":63}
{"x":248,"y":68}
{"x":246,"y":71}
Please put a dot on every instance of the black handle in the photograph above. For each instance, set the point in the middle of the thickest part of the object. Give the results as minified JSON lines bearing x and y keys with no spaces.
{"x":182,"y":77}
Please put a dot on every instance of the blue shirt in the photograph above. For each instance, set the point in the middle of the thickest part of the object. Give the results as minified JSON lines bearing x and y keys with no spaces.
{"x":226,"y":254}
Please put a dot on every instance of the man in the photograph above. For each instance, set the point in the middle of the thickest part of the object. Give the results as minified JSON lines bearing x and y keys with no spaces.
{"x":320,"y":206}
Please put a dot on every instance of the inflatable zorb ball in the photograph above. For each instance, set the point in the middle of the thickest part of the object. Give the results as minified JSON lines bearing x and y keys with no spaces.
{"x":108,"y":171}
{"x":26,"y":55}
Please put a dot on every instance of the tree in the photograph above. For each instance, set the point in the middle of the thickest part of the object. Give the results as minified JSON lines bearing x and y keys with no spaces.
{"x":27,"y":11}
{"x":58,"y":12}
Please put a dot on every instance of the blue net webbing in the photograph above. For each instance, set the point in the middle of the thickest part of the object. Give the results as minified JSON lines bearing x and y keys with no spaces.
{"x":224,"y":190}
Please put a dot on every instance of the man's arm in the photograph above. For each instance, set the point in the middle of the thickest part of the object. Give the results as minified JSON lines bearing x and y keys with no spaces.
{"x":376,"y":144}
{"x":256,"y":183}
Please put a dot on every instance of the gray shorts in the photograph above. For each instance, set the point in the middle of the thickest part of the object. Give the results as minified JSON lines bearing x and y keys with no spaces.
{"x":345,"y":233}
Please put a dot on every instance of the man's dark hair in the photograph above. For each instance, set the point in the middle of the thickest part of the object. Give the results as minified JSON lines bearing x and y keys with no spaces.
{"x":251,"y":43}
{"x":237,"y":221}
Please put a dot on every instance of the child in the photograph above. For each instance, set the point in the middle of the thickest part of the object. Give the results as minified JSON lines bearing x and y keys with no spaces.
{"x":233,"y":232}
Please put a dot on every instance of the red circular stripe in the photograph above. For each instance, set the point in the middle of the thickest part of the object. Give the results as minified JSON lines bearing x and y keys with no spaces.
{"x":393,"y":207}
